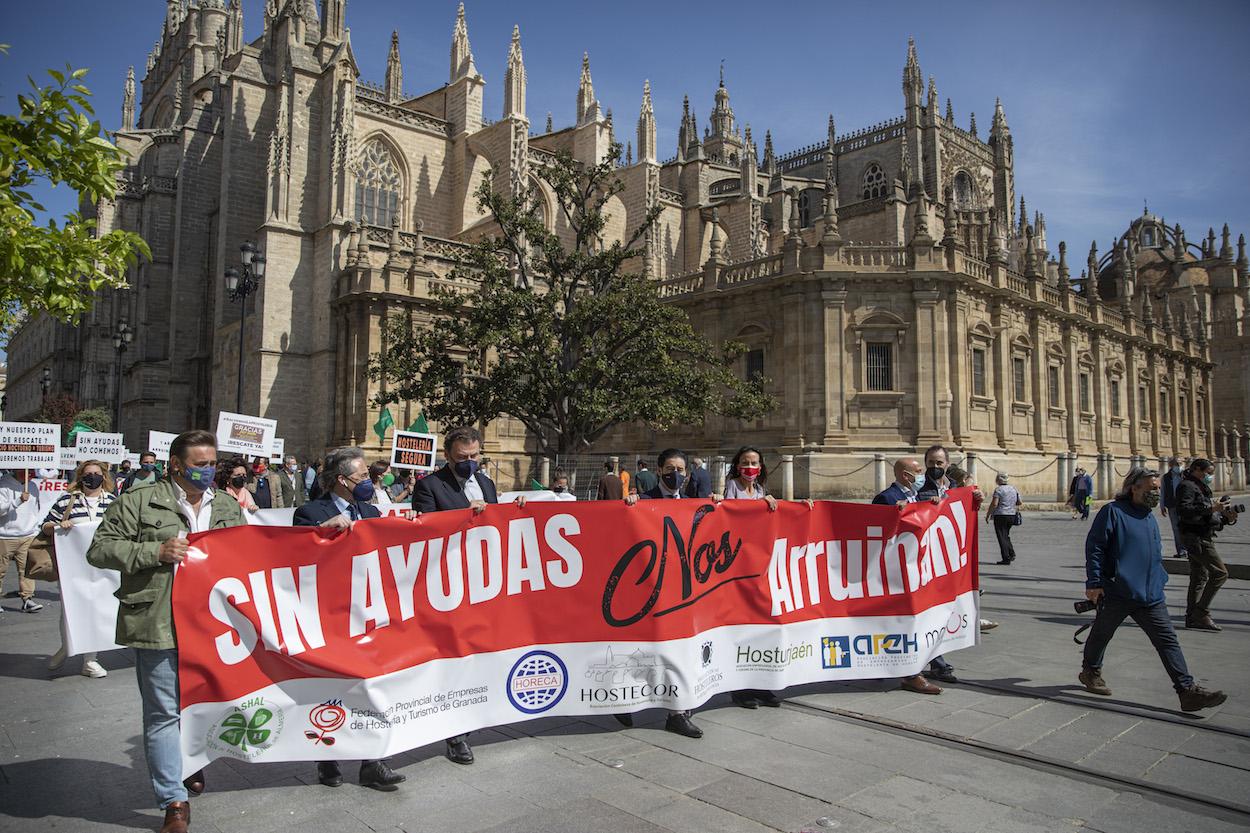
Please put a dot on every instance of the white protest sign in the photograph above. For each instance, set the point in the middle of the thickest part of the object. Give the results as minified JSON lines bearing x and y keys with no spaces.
{"x":87,"y":598}
{"x":159,"y":443}
{"x":411,"y":450}
{"x":69,"y":459}
{"x":95,"y":445}
{"x":248,"y":435}
{"x":133,"y":458}
{"x":49,"y":492}
{"x":275,"y":455}
{"x":29,"y":445}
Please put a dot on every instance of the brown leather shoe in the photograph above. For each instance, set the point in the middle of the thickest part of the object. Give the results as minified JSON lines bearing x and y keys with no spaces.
{"x":920,"y":685}
{"x":195,"y":783}
{"x":177,"y":817}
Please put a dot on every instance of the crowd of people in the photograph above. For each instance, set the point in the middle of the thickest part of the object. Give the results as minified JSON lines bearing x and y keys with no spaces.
{"x":200,"y":490}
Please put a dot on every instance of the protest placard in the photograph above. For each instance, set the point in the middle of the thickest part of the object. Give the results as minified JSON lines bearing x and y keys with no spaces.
{"x":68,"y":459}
{"x":411,"y":450}
{"x":275,"y":454}
{"x":29,"y":445}
{"x":96,"y":445}
{"x":159,"y":442}
{"x":248,"y":435}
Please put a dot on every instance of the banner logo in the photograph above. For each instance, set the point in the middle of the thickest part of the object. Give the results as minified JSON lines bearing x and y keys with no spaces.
{"x":537,"y":682}
{"x":327,"y":718}
{"x":835,"y":651}
{"x":635,"y":677}
{"x":246,"y":731}
{"x":706,"y":654}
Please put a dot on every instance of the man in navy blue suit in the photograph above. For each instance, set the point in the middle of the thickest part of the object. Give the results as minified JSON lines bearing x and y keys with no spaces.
{"x":700,"y":483}
{"x":346,"y":492}
{"x":459,"y":484}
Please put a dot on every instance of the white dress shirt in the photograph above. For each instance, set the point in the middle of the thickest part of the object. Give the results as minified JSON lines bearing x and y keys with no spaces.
{"x":473,"y":489}
{"x":197,"y":520}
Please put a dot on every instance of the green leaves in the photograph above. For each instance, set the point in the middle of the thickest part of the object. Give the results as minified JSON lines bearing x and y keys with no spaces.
{"x":239,"y":731}
{"x":57,"y":268}
{"x":559,"y":330}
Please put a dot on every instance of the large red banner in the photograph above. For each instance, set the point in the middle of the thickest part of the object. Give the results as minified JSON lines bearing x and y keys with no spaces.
{"x":295,"y":644}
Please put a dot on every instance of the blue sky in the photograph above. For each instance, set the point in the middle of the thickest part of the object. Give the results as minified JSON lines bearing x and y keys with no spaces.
{"x":1110,"y":103}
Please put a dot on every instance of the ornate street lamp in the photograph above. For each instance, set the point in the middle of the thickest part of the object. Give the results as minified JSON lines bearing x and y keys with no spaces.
{"x":45,"y":383}
{"x":241,"y":283}
{"x":122,"y":337}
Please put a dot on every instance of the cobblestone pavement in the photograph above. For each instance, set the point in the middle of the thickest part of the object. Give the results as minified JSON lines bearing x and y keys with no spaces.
{"x":836,"y":757}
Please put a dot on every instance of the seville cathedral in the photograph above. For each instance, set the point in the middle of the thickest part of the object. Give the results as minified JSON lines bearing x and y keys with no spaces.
{"x":887,"y":280}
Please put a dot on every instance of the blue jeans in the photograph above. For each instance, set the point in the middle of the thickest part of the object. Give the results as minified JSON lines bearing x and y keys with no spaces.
{"x":157,"y":672}
{"x":939,"y":664}
{"x":1153,"y":619}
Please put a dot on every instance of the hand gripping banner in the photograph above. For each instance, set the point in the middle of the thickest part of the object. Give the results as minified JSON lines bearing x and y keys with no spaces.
{"x":294,"y":645}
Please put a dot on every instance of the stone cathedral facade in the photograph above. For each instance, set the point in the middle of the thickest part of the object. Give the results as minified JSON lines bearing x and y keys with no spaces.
{"x":888,"y":281}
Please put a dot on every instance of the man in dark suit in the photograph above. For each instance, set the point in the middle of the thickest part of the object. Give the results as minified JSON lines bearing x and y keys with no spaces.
{"x":291,"y":482}
{"x":671,"y":486}
{"x":345,"y":498}
{"x":610,"y":486}
{"x":459,"y":484}
{"x":700,"y":484}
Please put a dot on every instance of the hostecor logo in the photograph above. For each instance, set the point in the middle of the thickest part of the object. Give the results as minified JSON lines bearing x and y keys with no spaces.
{"x":537,"y":682}
{"x":835,"y":651}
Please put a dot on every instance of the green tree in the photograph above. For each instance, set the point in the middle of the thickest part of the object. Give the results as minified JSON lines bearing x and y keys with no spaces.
{"x":99,"y":418}
{"x":57,"y":268}
{"x":555,"y":330}
{"x":59,"y":409}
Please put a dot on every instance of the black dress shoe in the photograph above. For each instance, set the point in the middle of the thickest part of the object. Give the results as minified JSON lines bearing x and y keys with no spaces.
{"x":194,"y":783}
{"x":946,"y":675}
{"x":329,"y":774}
{"x":679,"y":723}
{"x":767,"y":698}
{"x":378,"y":776}
{"x":459,"y":751}
{"x":626,"y":720}
{"x":745,"y":699}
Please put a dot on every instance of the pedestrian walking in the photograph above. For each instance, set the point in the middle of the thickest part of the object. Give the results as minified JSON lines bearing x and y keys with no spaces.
{"x":88,"y":495}
{"x":143,"y":536}
{"x":1004,"y":511}
{"x":1170,"y":480}
{"x":1124,"y":576}
{"x":1201,"y":517}
{"x":19,"y":521}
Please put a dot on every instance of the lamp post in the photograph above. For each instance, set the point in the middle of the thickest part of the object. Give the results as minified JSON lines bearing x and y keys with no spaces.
{"x":45,"y":384}
{"x":122,"y":337}
{"x":239,"y":285}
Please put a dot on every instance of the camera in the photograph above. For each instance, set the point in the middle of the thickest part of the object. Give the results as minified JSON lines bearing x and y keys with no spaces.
{"x":1083,"y":606}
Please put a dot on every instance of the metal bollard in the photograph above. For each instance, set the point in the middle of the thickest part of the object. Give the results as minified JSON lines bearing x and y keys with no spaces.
{"x":718,"y":474}
{"x":544,"y":472}
{"x":1062,"y":479}
{"x":970,"y":464}
{"x":787,"y":476}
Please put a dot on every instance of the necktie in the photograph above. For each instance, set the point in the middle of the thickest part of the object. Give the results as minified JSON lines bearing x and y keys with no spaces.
{"x":352,"y":513}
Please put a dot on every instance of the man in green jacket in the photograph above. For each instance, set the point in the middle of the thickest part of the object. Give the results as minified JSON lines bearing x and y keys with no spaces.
{"x":143,"y":537}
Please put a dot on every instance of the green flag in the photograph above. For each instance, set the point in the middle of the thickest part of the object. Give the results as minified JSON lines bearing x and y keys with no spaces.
{"x":534,"y":484}
{"x":420,"y":425}
{"x":385,"y":420}
{"x":78,"y":426}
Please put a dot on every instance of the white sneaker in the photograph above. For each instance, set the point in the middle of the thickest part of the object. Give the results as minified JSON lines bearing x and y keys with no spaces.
{"x":94,"y":670}
{"x":57,"y":659}
{"x":30,"y":606}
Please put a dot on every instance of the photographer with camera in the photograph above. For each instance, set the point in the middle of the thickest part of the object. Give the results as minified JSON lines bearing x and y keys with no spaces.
{"x":1124,"y":577}
{"x":1200,"y":517}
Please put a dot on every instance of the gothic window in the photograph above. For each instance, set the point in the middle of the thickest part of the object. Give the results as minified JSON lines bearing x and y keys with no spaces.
{"x":805,"y":210}
{"x":874,"y":182}
{"x":964,"y":195}
{"x":378,"y":185}
{"x":538,"y":204}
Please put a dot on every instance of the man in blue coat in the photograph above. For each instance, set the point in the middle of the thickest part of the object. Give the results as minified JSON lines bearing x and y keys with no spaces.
{"x":700,"y":483}
{"x":345,"y":496}
{"x":1124,"y":576}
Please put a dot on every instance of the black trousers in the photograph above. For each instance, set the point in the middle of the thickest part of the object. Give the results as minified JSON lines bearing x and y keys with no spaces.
{"x":1154,"y":621}
{"x":1002,"y":531}
{"x":1207,"y":575}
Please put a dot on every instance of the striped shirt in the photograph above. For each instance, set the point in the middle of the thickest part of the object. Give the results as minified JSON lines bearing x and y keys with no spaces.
{"x":84,"y":509}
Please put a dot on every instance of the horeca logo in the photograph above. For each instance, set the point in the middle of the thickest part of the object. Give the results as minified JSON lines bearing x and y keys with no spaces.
{"x":537,"y":682}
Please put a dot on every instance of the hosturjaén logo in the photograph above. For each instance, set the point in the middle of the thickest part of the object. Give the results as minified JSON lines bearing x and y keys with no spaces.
{"x":537,"y":682}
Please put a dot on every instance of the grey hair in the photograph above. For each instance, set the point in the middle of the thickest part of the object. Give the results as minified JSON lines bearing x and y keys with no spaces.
{"x":1131,"y":479}
{"x":339,"y":463}
{"x":1001,"y":479}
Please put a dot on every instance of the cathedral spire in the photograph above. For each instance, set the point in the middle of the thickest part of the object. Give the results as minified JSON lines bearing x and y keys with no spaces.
{"x":999,"y":127}
{"x":234,"y":27}
{"x":1024,"y":216}
{"x":514,"y":79}
{"x":394,"y":72}
{"x":587,"y":105}
{"x":128,"y":103}
{"x":722,"y":114}
{"x":646,"y":126}
{"x":1242,"y":262}
{"x":461,"y":53}
{"x":1226,"y":246}
{"x":770,"y":159}
{"x":333,"y":20}
{"x":972,"y":124}
{"x":913,"y":79}
{"x":950,"y":111}
{"x":831,"y":134}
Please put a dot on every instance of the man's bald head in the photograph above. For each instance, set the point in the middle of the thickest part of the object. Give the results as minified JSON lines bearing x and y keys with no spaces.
{"x":907,"y":465}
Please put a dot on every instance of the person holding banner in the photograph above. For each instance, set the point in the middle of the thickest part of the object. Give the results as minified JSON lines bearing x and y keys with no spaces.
{"x":19,"y":521}
{"x":459,"y":484}
{"x":143,"y":537}
{"x":347,"y":490}
{"x":84,"y":502}
{"x":672,"y":468}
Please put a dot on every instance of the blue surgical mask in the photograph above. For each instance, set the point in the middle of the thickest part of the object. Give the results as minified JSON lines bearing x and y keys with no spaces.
{"x":465,"y":469}
{"x":919,"y":483}
{"x":362,"y":492}
{"x":1208,"y":479}
{"x":200,"y":477}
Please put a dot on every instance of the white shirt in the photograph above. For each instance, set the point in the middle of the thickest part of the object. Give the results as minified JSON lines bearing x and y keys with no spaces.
{"x":381,"y":497}
{"x":18,"y":519}
{"x":473,"y":489}
{"x":197,"y":521}
{"x":909,"y":491}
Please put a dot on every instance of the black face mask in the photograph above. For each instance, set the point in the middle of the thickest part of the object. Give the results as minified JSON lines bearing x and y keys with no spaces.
{"x":934,"y":473}
{"x":673,"y":480}
{"x":93,"y":481}
{"x":238,"y":481}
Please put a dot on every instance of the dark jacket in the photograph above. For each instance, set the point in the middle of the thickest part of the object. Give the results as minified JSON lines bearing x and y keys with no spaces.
{"x":654,"y":494}
{"x":891,"y":496}
{"x":645,"y":480}
{"x":1124,"y":553}
{"x":316,"y":512}
{"x":442,"y":490}
{"x":699,"y":485}
{"x":293,"y":494}
{"x":1194,"y":505}
{"x":1167,"y":485}
{"x":610,"y":487}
